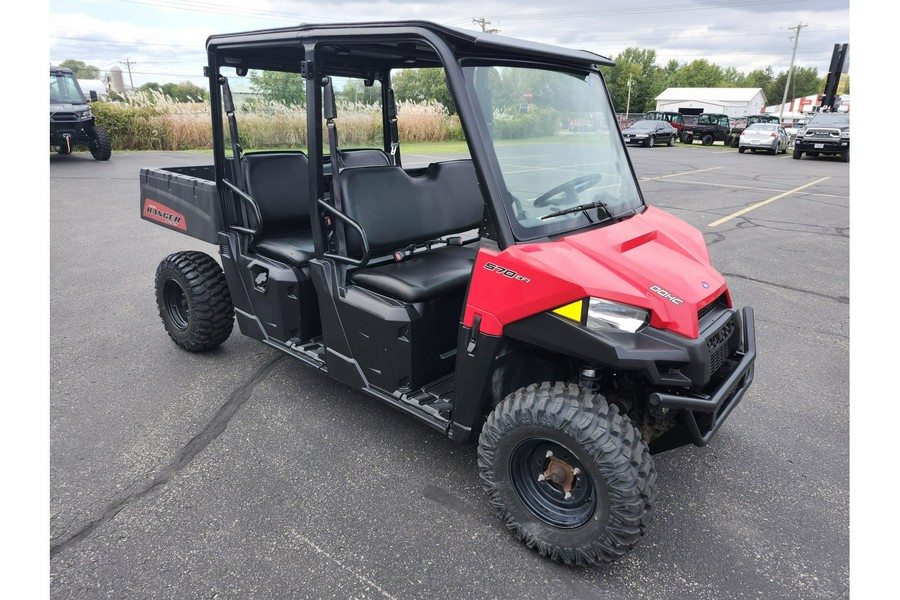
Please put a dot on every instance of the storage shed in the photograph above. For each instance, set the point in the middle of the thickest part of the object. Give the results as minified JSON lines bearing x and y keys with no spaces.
{"x":734,"y":102}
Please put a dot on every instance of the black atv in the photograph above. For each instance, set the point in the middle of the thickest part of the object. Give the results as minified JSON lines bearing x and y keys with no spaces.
{"x":71,"y":120}
{"x":709,"y":128}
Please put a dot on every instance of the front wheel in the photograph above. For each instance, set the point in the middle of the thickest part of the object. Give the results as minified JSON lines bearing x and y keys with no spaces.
{"x":687,"y":138}
{"x":100,"y":146}
{"x":193,"y":300}
{"x":568,"y":473}
{"x":845,"y":157}
{"x":671,"y":140}
{"x":797,"y":154}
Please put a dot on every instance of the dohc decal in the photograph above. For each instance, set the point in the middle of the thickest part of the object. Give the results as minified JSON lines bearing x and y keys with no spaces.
{"x":160,"y":213}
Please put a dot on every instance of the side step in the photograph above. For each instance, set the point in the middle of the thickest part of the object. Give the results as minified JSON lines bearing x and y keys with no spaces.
{"x":434,"y":399}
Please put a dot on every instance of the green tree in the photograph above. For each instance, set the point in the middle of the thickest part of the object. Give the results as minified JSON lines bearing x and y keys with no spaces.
{"x":647,"y":79}
{"x":760,"y":78}
{"x":280,"y":87}
{"x":699,"y":73}
{"x":355,"y":90}
{"x":804,"y":82}
{"x":422,"y":85}
{"x":82,"y":70}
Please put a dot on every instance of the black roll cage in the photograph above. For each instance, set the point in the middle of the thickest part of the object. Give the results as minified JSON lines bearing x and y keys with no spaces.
{"x":316,"y":51}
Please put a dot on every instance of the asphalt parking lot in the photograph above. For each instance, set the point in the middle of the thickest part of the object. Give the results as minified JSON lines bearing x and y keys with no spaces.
{"x":241,"y":473}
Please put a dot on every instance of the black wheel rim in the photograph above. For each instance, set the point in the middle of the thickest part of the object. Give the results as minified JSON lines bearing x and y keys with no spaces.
{"x":545,"y":499}
{"x":176,"y":304}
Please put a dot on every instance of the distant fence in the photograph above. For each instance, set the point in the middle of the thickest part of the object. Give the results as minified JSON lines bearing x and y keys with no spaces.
{"x":628,"y":119}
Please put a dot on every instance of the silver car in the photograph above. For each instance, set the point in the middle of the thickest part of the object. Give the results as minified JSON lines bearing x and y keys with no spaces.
{"x":764,"y":136}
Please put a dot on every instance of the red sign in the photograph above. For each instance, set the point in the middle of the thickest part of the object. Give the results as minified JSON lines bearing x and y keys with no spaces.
{"x":155,"y":211}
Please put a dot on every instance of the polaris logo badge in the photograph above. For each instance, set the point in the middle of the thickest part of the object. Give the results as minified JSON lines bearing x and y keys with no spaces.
{"x":670,"y":297}
{"x":155,"y":211}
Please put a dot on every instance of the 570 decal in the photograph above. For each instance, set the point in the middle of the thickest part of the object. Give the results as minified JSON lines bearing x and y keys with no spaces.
{"x":506,"y":272}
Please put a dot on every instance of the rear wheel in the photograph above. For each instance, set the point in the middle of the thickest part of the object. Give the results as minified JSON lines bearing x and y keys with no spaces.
{"x":193,"y":300}
{"x":708,"y":140}
{"x":568,"y":473}
{"x":100,"y":146}
{"x":742,"y":149}
{"x":687,"y":138}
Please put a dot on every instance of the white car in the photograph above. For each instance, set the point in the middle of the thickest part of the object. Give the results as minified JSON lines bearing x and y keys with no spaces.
{"x":764,"y":136}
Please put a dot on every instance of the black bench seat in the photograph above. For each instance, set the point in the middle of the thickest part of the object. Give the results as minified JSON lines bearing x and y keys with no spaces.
{"x":396,"y":209}
{"x":422,"y":277}
{"x":278,"y":181}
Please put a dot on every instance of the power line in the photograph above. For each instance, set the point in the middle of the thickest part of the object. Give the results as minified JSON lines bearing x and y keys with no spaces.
{"x":645,"y":9}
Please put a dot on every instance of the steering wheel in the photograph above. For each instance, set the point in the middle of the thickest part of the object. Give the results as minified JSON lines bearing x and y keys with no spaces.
{"x":571,"y":189}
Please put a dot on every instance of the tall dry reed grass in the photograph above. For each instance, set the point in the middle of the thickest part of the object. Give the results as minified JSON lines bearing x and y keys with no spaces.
{"x":152,"y":121}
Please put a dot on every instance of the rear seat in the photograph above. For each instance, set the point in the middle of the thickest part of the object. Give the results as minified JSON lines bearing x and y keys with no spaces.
{"x":396,"y":210}
{"x":279,"y":182}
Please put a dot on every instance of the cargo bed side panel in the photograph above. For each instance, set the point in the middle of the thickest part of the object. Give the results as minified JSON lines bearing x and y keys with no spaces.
{"x":183,"y":199}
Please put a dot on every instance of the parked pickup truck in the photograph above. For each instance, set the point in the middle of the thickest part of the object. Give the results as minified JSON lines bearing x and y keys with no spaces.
{"x":710,"y":127}
{"x":826,"y":134}
{"x":739,"y":124}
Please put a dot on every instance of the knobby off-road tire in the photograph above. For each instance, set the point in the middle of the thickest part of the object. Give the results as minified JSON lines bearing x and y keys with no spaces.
{"x":612,"y":500}
{"x":708,"y":140}
{"x":193,"y":300}
{"x":100,"y":146}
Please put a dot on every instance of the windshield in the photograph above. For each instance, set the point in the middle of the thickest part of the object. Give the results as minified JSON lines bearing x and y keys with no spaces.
{"x":645,"y":125}
{"x":558,"y":146}
{"x":831,"y":119}
{"x":64,"y":89}
{"x":706,"y":119}
{"x":762,"y":127}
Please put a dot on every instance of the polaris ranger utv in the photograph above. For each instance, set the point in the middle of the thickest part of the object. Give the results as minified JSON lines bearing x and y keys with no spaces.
{"x":524,"y":296}
{"x":709,"y":128}
{"x":71,"y":120}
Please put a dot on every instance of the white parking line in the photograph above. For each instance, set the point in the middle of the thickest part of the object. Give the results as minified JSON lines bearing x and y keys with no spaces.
{"x":764,"y":202}
{"x":677,"y":174}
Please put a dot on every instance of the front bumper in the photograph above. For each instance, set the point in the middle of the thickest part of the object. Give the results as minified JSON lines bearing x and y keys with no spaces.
{"x":822,"y":145}
{"x":702,"y":414}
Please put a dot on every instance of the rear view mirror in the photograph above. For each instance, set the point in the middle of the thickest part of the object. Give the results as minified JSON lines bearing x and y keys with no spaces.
{"x":94,"y":96}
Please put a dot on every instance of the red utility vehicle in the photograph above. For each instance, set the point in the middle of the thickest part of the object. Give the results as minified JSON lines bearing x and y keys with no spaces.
{"x":523,"y":295}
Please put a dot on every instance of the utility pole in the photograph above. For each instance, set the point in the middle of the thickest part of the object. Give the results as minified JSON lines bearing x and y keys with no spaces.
{"x":127,"y":62}
{"x":483,"y":23}
{"x":628,"y":104}
{"x":787,"y":84}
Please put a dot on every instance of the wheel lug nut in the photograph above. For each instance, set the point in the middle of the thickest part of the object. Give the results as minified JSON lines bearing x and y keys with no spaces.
{"x":549,"y":453}
{"x":568,"y":495}
{"x":541,"y":477}
{"x":576,"y":471}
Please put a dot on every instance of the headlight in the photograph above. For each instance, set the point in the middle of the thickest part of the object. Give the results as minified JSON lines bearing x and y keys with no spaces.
{"x":86,"y":115}
{"x":605,"y":316}
{"x":845,"y":135}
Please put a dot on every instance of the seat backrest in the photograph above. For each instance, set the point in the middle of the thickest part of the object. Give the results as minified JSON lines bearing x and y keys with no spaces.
{"x":364,"y":157}
{"x":279,"y":182}
{"x":396,"y":209}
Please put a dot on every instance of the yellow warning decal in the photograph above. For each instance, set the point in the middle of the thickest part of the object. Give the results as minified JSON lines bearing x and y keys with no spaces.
{"x":571,"y":311}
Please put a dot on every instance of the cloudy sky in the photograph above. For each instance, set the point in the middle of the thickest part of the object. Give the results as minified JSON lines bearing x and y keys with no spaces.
{"x":164,"y":39}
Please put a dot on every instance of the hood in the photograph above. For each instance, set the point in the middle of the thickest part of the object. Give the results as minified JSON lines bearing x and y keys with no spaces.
{"x":652,"y":260}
